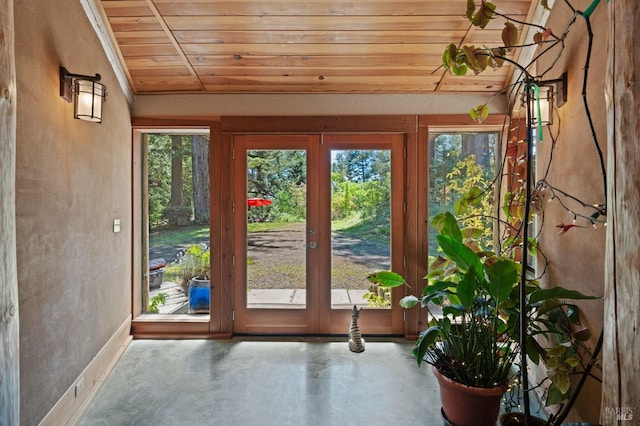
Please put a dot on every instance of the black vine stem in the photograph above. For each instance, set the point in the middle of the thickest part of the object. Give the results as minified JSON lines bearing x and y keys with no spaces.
{"x":525,"y":260}
{"x":588,"y":111}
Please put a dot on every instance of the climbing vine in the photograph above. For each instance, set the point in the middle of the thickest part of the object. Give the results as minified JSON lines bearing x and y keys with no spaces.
{"x":525,"y":194}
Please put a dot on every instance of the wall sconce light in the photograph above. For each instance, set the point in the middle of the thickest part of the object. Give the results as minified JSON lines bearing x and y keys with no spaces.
{"x":542,"y":99}
{"x":86,"y":92}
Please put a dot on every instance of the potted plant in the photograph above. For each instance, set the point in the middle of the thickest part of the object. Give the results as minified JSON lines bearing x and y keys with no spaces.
{"x":474,"y":343}
{"x":195,"y":266}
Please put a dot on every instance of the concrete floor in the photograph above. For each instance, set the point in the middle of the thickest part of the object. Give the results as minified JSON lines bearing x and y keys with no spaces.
{"x":242,"y":383}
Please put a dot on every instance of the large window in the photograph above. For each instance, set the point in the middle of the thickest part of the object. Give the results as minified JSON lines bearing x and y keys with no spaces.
{"x":457,"y":163}
{"x":177,"y":202}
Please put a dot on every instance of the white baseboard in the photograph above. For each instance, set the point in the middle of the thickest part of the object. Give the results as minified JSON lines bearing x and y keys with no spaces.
{"x":70,"y":408}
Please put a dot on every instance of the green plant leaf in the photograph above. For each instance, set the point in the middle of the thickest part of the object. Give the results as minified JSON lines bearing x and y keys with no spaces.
{"x":482,"y":60}
{"x":557,"y":293}
{"x":497,"y":57}
{"x":474,"y":194}
{"x":437,"y":288}
{"x":548,"y":305}
{"x":408,"y":302}
{"x":438,"y":263}
{"x":532,"y":352}
{"x":450,"y":227}
{"x":473,"y":197}
{"x":387,"y":279}
{"x":463,"y":256}
{"x":572,"y":362}
{"x":472,"y":232}
{"x":466,"y":289}
{"x":426,"y":340}
{"x":554,"y":395}
{"x":573,"y":313}
{"x":438,"y":221}
{"x":460,"y":206}
{"x":556,"y":351}
{"x":449,"y":57}
{"x":479,"y":113}
{"x":459,"y":69}
{"x":502,"y":276}
{"x":471,"y":7}
{"x":483,"y":15}
{"x":453,"y":310}
{"x":560,"y":379}
{"x":473,"y":59}
{"x":509,"y":35}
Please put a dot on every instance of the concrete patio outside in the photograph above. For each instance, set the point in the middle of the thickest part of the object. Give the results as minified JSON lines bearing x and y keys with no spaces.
{"x":176,"y":302}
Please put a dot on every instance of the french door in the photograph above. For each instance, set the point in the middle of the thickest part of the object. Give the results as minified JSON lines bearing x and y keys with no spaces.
{"x":313,"y":216}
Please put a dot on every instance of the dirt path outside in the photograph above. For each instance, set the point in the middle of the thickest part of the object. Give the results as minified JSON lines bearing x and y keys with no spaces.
{"x":276,"y":259}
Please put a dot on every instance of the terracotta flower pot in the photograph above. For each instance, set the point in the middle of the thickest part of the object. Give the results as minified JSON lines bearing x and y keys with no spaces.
{"x":468,"y":406}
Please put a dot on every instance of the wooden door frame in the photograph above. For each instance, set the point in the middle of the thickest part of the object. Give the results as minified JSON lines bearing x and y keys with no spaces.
{"x":373,"y":321}
{"x":268,"y":321}
{"x":178,"y":326}
{"x":415,"y":129}
{"x":406,"y":125}
{"x":318,"y":317}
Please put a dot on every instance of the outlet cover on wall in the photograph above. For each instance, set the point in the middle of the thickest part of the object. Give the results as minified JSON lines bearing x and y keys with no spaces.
{"x":79,"y":386}
{"x":116,"y":225}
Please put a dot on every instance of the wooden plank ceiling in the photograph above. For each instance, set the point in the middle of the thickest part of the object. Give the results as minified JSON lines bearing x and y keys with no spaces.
{"x":312,"y":46}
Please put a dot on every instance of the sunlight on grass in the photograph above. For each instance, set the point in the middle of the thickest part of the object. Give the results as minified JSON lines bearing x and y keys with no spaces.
{"x":265,"y":226}
{"x":178,"y":236}
{"x":345,"y":224}
{"x":375,"y":230}
{"x":172,"y":273}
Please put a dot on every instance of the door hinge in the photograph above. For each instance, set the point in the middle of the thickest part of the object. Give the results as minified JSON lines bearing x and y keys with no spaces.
{"x":233,"y":260}
{"x":404,"y":315}
{"x":233,"y":315}
{"x":404,"y":262}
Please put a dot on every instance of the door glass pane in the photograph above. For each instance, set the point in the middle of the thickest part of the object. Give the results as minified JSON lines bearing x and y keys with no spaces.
{"x":178,"y":215}
{"x":276,"y":229}
{"x":360,"y":226}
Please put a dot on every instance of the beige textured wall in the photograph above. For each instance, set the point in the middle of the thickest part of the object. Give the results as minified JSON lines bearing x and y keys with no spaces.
{"x":313,"y":104}
{"x":576,"y":258}
{"x":72,"y":181}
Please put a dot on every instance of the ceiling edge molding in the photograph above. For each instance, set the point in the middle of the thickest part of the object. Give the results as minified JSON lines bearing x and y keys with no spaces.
{"x":96,"y":18}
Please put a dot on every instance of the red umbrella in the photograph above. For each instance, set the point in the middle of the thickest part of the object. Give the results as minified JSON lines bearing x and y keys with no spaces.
{"x":258,"y":202}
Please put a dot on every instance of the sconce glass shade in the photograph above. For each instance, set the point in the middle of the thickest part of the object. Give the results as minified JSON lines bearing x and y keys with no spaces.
{"x":544,"y":98}
{"x":86,"y":92}
{"x":88,"y":97}
{"x":549,"y":92}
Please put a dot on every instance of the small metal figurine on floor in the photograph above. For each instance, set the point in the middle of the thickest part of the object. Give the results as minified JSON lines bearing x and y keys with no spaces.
{"x":356,"y":342}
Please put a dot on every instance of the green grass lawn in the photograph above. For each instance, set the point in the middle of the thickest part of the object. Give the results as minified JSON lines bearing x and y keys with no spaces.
{"x":184,"y":236}
{"x":179,"y":236}
{"x":375,"y":230}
